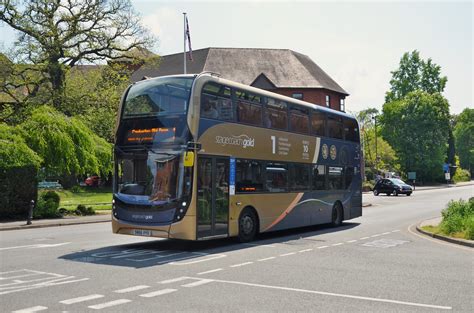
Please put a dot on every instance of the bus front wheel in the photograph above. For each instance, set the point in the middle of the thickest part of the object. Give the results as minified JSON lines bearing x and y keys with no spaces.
{"x":336,"y":215}
{"x":247,"y":225}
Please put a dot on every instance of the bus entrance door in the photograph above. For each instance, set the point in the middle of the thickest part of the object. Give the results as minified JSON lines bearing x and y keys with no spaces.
{"x":213,"y":197}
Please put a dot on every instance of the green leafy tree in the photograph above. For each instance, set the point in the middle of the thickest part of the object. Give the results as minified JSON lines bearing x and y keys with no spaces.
{"x":55,"y":35}
{"x":385,"y":159}
{"x":14,"y":152}
{"x":413,"y":74}
{"x":417,"y":127}
{"x":93,"y":94}
{"x":65,"y":144}
{"x":464,"y":138}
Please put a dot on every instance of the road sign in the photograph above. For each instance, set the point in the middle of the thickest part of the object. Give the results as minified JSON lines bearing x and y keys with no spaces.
{"x":446,"y":167}
{"x":412,"y":175}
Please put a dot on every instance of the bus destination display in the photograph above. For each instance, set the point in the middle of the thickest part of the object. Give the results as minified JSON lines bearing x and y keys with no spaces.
{"x":150,"y":135}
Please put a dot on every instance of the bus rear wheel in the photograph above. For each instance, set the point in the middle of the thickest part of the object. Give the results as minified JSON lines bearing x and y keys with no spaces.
{"x":247,"y":225}
{"x":336,"y":215}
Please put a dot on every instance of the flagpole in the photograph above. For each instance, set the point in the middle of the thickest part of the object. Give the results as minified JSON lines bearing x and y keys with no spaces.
{"x":184,"y":50}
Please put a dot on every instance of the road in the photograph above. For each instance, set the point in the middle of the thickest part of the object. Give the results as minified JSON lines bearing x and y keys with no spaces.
{"x":376,"y":263}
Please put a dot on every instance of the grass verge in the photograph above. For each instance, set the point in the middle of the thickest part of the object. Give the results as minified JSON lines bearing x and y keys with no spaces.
{"x":97,"y":198}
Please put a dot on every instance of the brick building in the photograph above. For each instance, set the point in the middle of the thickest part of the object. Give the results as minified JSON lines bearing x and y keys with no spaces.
{"x":281,"y":71}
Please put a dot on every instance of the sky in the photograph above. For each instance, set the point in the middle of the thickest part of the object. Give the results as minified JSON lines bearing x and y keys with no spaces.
{"x":357,"y":43}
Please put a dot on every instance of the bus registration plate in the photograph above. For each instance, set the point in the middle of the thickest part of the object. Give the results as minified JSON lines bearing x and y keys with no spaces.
{"x":141,"y":232}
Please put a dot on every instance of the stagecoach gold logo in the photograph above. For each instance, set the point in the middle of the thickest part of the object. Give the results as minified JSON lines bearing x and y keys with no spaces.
{"x":242,"y":140}
{"x":333,"y":152}
{"x":325,"y":151}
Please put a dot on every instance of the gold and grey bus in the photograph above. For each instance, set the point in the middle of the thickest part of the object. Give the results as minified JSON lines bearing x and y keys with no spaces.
{"x":200,"y":157}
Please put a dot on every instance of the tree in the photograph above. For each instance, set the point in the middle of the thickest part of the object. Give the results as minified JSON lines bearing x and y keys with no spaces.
{"x":14,"y":152}
{"x":415,"y":74}
{"x":417,"y":128}
{"x":56,"y":35}
{"x":93,"y":94}
{"x":387,"y":159}
{"x":65,"y":144}
{"x":464,"y":138}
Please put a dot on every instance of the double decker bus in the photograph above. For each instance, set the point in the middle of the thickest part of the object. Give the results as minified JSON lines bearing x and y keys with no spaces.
{"x":200,"y":157}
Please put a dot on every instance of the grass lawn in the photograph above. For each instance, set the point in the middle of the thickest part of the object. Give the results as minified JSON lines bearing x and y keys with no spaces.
{"x":97,"y":198}
{"x":437,"y":230}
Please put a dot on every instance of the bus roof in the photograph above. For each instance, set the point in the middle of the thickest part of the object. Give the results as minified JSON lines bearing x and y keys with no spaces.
{"x":209,"y":76}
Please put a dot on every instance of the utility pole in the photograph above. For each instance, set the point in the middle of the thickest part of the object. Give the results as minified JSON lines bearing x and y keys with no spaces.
{"x":184,"y":50}
{"x":376,"y":152}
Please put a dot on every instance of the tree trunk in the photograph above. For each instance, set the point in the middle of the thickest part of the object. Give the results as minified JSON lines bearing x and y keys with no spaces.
{"x":57,"y":78}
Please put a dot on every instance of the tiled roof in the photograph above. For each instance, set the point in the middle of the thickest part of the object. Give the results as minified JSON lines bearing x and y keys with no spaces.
{"x":282,"y":67}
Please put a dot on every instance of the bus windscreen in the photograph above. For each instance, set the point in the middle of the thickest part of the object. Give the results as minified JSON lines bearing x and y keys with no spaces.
{"x":159,"y":96}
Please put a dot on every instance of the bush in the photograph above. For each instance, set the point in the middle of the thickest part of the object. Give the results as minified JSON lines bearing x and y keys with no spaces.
{"x":461,"y":175}
{"x":18,"y":186}
{"x":367,"y":186}
{"x":46,"y":209}
{"x":51,"y":195}
{"x":458,"y":217}
{"x":75,"y":189}
{"x":83,"y":210}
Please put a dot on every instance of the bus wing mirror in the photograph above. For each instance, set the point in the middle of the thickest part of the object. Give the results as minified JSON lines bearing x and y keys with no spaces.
{"x":188,"y":159}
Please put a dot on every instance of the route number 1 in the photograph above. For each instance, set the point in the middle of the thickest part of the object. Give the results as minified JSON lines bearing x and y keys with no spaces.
{"x":273,"y":138}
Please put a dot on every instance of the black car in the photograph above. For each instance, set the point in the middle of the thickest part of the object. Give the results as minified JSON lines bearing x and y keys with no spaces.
{"x":392,"y":186}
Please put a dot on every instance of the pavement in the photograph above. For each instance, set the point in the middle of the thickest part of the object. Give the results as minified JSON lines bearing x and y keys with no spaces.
{"x":105,"y":216}
{"x":65,"y":221}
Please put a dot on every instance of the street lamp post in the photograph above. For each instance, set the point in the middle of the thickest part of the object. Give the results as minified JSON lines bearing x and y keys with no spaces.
{"x":374,"y":117}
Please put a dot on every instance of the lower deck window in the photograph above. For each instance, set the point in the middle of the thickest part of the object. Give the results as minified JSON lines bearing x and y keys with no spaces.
{"x":249,"y":176}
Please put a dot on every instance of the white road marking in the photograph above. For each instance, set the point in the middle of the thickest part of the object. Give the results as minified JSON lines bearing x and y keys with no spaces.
{"x":157,"y":293}
{"x":266,"y":259}
{"x":376,"y":235}
{"x":258,"y":245}
{"x":323,"y":247}
{"x":396,"y":230}
{"x":32,"y":309}
{"x":131,"y":289}
{"x":241,"y":264}
{"x":169,"y":281}
{"x":81,"y":299}
{"x":363,"y":238}
{"x":305,"y":250}
{"x":384,"y":243}
{"x":211,"y":271}
{"x":109,"y":304}
{"x":199,"y":261}
{"x":40,"y":245}
{"x":336,"y":294}
{"x":386,"y":233}
{"x":351,"y":241}
{"x":45,"y":279}
{"x":337,"y":244}
{"x":287,"y":254}
{"x":198,"y":283}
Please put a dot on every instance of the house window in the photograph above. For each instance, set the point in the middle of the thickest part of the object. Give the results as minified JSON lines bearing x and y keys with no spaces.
{"x":342,"y":105}
{"x":297,"y":95}
{"x":328,"y":101}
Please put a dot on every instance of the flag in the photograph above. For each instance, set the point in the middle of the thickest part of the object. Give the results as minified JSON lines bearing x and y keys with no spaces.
{"x":190,"y":53}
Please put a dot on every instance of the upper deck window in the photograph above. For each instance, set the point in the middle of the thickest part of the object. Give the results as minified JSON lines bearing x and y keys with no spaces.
{"x":249,"y":108}
{"x":299,"y":119}
{"x":276,"y":114}
{"x":216,"y":102}
{"x":318,"y":121}
{"x":161,"y":96}
{"x":335,"y":126}
{"x":351,"y":130}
